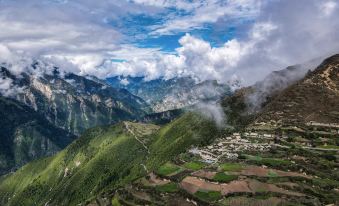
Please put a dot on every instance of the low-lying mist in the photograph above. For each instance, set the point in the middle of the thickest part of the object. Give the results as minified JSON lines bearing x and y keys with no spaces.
{"x":213,"y":111}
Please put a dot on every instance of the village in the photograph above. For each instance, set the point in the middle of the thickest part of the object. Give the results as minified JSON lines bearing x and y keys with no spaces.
{"x":228,"y":147}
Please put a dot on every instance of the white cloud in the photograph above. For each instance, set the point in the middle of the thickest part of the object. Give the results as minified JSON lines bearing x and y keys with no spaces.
{"x":285,"y":33}
{"x":196,"y":58}
{"x":124,"y":81}
{"x":203,"y":12}
{"x":64,"y":30}
{"x":328,"y":7}
{"x":7,"y":88}
{"x":76,"y":35}
{"x":5,"y":53}
{"x":212,"y":111}
{"x":77,"y":32}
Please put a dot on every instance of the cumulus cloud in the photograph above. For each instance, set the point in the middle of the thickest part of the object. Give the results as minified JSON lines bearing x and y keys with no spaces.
{"x":78,"y":35}
{"x":285,"y":33}
{"x":203,"y":12}
{"x":328,"y":7}
{"x":5,"y":53}
{"x":124,"y":81}
{"x":73,"y":31}
{"x":7,"y":88}
{"x":197,"y":58}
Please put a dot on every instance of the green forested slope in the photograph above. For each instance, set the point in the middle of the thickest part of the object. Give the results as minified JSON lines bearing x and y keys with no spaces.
{"x":104,"y":158}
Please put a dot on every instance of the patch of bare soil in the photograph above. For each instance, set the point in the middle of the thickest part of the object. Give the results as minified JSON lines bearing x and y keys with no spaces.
{"x":241,"y":201}
{"x":156,"y":181}
{"x":141,"y":195}
{"x":204,"y":174}
{"x":251,"y":171}
{"x":152,"y":180}
{"x":265,"y":172}
{"x":194,"y":184}
{"x":258,"y":187}
{"x":239,"y":186}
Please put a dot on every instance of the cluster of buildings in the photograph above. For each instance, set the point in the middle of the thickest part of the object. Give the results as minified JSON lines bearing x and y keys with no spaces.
{"x":332,"y":127}
{"x":229,"y":147}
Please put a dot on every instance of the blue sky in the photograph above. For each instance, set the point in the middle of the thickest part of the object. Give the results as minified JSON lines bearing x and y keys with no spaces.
{"x":138,"y":27}
{"x":209,"y":39}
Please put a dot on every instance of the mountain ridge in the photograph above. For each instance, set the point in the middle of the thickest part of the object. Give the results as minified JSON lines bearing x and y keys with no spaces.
{"x":72,"y":102}
{"x":26,"y":135}
{"x":192,"y":161}
{"x":313,"y":98}
{"x":171,"y":94}
{"x":260,"y":102}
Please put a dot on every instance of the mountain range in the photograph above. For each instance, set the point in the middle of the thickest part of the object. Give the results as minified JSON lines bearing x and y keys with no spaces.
{"x":176,"y":93}
{"x":277,"y":148}
{"x":44,"y":111}
{"x":312,"y":99}
{"x":71,"y":102}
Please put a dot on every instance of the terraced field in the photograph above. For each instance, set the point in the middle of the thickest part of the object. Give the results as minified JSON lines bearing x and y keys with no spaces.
{"x":279,"y":176}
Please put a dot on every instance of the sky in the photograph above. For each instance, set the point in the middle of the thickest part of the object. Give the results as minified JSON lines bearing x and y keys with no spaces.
{"x":225,"y":40}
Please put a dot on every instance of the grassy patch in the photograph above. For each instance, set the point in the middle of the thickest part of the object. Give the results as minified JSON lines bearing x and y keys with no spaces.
{"x":167,"y":169}
{"x":267,"y":161}
{"x":271,"y":173}
{"x":252,"y":158}
{"x":275,"y":162}
{"x":329,"y":147}
{"x":169,"y":187}
{"x":277,"y":179}
{"x":222,"y":177}
{"x":105,"y":162}
{"x":262,"y":196}
{"x":325,"y":183}
{"x":208,"y":196}
{"x":194,"y":165}
{"x":115,"y":201}
{"x":231,"y":167}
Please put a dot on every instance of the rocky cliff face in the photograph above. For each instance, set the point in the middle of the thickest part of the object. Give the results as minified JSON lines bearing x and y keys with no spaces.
{"x":74,"y":103}
{"x":176,"y":93}
{"x":25,"y":135}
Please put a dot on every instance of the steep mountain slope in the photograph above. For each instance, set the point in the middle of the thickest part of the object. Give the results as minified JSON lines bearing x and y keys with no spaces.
{"x":72,"y":102}
{"x":104,"y":158}
{"x":243,"y":106}
{"x":161,"y":118}
{"x":314,"y":98}
{"x":25,"y":135}
{"x":171,"y":94}
{"x":246,"y":104}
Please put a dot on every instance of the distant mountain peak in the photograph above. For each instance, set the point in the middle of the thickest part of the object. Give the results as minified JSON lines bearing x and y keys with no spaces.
{"x":171,"y":94}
